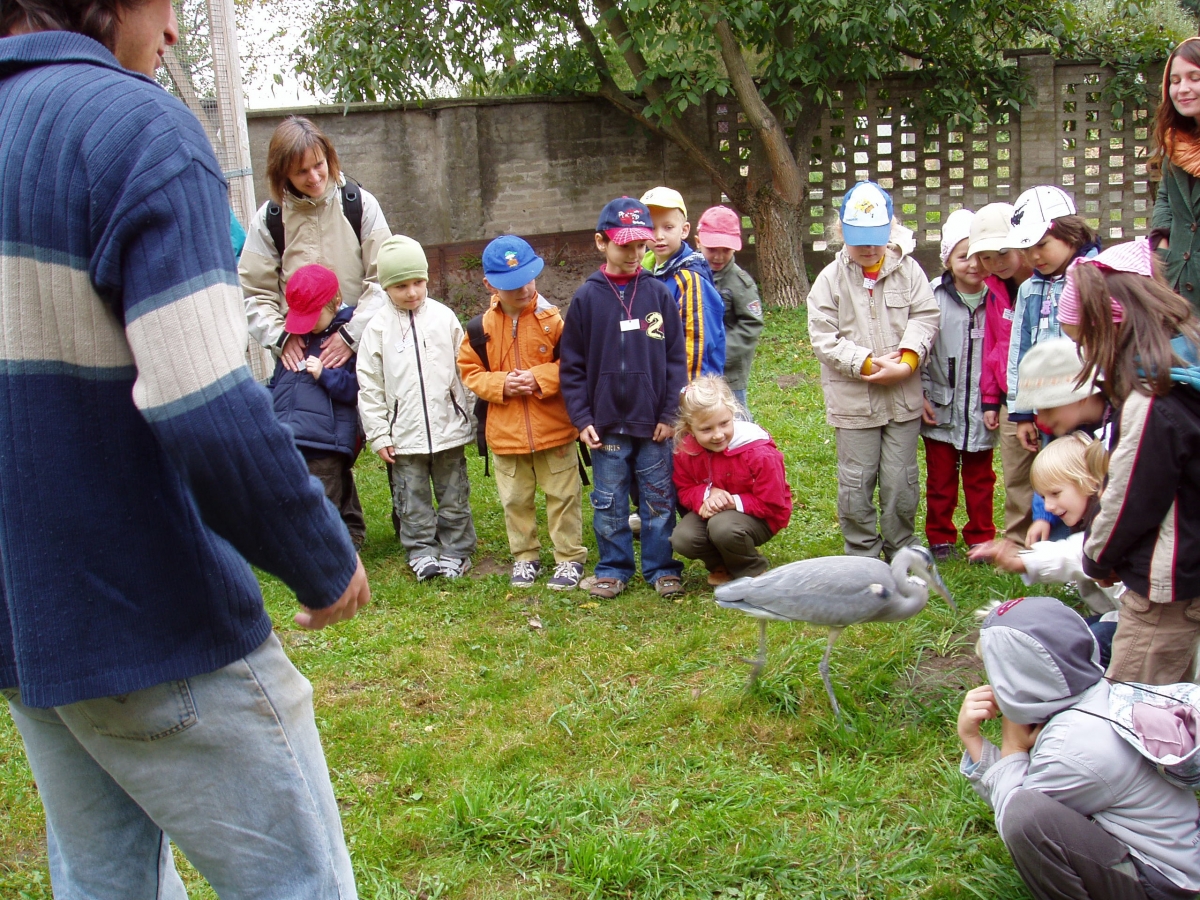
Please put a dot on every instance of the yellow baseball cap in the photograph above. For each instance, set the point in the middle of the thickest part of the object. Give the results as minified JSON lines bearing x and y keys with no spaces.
{"x":665,"y":198}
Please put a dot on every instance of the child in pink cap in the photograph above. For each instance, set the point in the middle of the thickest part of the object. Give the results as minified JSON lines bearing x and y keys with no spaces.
{"x":719,"y":235}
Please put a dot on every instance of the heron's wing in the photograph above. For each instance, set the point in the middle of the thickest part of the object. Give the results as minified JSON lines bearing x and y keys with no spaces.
{"x":835,"y":590}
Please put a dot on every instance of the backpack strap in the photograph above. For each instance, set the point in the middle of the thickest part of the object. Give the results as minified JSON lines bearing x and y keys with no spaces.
{"x":275,"y":225}
{"x":478,"y":340}
{"x":352,"y":209}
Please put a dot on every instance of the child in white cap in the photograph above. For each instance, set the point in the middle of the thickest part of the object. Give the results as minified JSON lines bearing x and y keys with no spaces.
{"x":872,"y":318}
{"x":956,"y":436}
{"x":719,"y":234}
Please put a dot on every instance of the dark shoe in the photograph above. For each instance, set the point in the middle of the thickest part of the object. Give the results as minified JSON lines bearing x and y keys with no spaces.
{"x":453,"y":567}
{"x":566,"y":576}
{"x":525,"y":572}
{"x":943,"y":552}
{"x":425,"y":567}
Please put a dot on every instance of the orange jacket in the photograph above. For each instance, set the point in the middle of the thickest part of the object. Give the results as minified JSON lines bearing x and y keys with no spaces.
{"x":522,"y":423}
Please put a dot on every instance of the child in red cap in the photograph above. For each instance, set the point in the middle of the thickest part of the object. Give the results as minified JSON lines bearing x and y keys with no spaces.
{"x":318,"y":403}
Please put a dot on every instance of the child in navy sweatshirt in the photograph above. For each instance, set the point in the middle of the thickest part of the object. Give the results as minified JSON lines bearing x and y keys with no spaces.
{"x":622,"y":368}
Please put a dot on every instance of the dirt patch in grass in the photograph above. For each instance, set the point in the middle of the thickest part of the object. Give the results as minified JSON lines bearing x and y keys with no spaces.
{"x":934,"y":674}
{"x":488,"y":565}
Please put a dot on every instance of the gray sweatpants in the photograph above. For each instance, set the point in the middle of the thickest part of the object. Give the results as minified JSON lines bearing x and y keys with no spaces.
{"x":447,"y":531}
{"x":886,"y":456}
{"x":1063,"y":855}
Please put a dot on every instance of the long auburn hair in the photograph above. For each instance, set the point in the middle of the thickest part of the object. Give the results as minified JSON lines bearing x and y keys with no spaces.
{"x":1135,"y":355}
{"x":96,"y":19}
{"x":1168,"y":121}
{"x":294,"y":137}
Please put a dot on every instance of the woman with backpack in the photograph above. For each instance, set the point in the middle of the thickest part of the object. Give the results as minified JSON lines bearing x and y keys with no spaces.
{"x":314,"y":216}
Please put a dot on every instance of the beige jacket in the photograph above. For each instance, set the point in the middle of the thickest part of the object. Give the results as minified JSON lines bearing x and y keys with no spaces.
{"x":316,"y":232}
{"x":847,"y":323}
{"x":409,"y":394}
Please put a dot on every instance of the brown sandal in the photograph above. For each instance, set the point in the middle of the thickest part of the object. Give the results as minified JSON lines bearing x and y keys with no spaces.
{"x":606,"y":588}
{"x":669,"y":586}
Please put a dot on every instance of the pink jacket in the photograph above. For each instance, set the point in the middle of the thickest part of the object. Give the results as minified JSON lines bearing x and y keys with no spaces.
{"x":997,"y":329}
{"x":750,"y":468}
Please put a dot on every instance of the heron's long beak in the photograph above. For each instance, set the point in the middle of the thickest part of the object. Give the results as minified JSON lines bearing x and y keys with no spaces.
{"x":935,"y":581}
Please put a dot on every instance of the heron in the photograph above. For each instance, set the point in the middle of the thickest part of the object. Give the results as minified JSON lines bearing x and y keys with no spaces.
{"x":835,"y":591}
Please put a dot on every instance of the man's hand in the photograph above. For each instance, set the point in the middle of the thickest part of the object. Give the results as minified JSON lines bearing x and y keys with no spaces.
{"x":335,"y":351}
{"x":928,"y":415}
{"x":1038,"y":531}
{"x":718,"y":500}
{"x":313,"y":363}
{"x":1016,"y":738}
{"x":356,"y":596}
{"x":979,"y":704}
{"x":590,"y":437}
{"x":1003,"y":554}
{"x":519,"y":381}
{"x":1029,"y":436}
{"x":662,"y":432}
{"x":991,"y":420}
{"x":888,"y":369}
{"x":292,"y":353}
{"x":387,"y":454}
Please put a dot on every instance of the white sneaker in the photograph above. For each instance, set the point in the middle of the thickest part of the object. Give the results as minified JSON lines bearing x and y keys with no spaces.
{"x":525,"y":572}
{"x":453,"y":567}
{"x":425,"y":567}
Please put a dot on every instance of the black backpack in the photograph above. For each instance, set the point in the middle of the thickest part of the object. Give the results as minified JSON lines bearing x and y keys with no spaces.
{"x":352,"y":209}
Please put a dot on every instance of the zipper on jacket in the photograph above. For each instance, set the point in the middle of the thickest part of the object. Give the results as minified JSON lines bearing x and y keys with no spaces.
{"x":412,"y":323}
{"x":524,"y":397}
{"x":970,"y":359}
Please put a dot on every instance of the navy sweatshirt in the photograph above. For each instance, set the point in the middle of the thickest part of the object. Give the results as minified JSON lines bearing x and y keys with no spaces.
{"x":622,"y":379}
{"x":142,"y":469}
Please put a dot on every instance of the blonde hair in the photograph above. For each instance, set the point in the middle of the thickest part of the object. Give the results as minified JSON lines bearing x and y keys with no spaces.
{"x":1074,"y":459}
{"x":294,"y":137}
{"x":703,"y":397}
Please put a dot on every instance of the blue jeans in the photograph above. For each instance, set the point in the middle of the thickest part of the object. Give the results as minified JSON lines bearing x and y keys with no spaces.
{"x":621,"y":459}
{"x":227,"y":765}
{"x":740,"y":397}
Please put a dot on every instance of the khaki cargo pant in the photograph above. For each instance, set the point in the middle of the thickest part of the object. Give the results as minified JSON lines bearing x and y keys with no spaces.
{"x":1155,"y":643}
{"x":887,"y":457}
{"x":1018,"y":493}
{"x":556,"y":471}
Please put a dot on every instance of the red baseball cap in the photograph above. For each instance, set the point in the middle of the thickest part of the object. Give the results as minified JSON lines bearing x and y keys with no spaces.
{"x":720,"y":226}
{"x":309,"y":291}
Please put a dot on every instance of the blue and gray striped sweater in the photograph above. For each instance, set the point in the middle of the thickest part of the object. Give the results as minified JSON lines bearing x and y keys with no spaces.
{"x":140,"y":464}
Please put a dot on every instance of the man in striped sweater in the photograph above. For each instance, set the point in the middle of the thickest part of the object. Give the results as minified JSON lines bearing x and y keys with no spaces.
{"x":139,"y":665}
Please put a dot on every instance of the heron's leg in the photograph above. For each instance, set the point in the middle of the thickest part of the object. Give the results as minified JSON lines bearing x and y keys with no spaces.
{"x":824,"y":668}
{"x":758,"y":663}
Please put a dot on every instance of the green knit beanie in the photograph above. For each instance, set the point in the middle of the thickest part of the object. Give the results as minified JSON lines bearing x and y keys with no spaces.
{"x":401,"y":259}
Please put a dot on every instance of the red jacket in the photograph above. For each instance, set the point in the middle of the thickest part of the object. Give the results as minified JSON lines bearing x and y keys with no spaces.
{"x":751,"y":469}
{"x":997,"y":329}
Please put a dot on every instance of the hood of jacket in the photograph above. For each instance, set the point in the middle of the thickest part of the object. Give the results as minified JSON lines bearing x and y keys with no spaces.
{"x":1040,"y":658}
{"x":684,"y":258}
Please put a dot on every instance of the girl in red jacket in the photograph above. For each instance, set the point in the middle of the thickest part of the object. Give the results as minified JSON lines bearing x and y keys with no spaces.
{"x":730,"y":478}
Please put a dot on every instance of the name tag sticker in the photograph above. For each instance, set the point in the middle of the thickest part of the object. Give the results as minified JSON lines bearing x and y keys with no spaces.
{"x":1008,"y":314}
{"x":631,"y":324}
{"x":976,"y":333}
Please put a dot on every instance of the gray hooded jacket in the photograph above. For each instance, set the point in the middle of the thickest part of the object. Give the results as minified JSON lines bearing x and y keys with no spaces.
{"x":1044,"y":667}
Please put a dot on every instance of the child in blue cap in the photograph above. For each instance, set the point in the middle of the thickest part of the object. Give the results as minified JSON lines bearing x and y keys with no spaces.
{"x":509,"y":359}
{"x":872,"y":318}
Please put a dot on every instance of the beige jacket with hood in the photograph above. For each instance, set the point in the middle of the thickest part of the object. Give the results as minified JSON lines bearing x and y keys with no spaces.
{"x":316,"y":232}
{"x":847,"y":323}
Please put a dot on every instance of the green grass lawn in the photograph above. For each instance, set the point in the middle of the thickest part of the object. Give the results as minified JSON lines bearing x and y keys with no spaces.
{"x":487,"y":742}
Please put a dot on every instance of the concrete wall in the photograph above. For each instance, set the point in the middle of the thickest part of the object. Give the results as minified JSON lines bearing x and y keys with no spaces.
{"x":458,"y":171}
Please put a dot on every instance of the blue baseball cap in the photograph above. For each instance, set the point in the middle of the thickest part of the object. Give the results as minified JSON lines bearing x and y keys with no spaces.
{"x":866,"y":215}
{"x":626,"y":220}
{"x":510,"y":263}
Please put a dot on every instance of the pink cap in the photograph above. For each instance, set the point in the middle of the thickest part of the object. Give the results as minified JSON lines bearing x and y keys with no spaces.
{"x":1134,"y":257}
{"x":308,"y":292}
{"x":720,"y":226}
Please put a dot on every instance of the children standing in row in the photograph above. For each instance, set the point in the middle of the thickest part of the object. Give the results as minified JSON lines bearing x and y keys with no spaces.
{"x":622,"y":368}
{"x":956,"y":437}
{"x":872,"y":318}
{"x":719,"y":235}
{"x":528,"y":428}
{"x":730,"y":477}
{"x":414,"y":411}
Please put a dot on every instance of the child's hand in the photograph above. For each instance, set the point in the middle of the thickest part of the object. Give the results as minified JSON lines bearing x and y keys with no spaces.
{"x":888,"y":369}
{"x":978,"y":705}
{"x":1016,"y":738}
{"x":519,"y":381}
{"x":1038,"y":531}
{"x":387,"y":454}
{"x":292,"y":354}
{"x":718,"y":500}
{"x":1029,"y":436}
{"x":590,"y":437}
{"x":991,"y":420}
{"x":315,"y":367}
{"x":928,"y":415}
{"x":1003,"y":554}
{"x":662,"y":432}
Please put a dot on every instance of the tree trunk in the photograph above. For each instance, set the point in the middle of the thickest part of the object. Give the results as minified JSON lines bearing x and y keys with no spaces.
{"x":778,"y":238}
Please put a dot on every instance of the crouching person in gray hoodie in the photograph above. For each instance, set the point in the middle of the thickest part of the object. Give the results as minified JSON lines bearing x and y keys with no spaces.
{"x":1081,"y":812}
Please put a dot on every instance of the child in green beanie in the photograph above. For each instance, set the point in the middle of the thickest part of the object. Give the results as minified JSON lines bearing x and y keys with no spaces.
{"x":414,"y":411}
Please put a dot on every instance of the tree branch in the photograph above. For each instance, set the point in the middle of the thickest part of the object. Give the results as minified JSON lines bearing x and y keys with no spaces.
{"x":618,"y":30}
